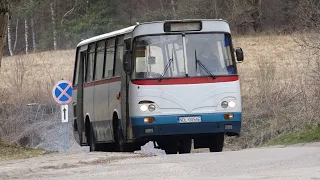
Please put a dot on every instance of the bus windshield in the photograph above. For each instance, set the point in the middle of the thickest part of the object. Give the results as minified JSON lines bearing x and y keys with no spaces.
{"x":163,"y":55}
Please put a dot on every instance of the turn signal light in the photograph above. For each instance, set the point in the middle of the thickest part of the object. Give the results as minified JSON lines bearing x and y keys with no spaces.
{"x":118,"y":96}
{"x":228,"y":116}
{"x":148,"y":120}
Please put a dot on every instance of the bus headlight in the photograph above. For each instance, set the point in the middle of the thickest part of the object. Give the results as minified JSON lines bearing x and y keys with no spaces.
{"x":143,"y":108}
{"x":231,"y":104}
{"x":151,"y":107}
{"x":224,"y":104}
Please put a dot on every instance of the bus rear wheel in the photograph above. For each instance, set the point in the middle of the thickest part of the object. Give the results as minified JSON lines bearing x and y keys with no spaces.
{"x":93,"y":146}
{"x":217,"y":142}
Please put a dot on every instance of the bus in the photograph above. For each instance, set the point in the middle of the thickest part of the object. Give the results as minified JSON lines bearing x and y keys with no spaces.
{"x":174,"y":83}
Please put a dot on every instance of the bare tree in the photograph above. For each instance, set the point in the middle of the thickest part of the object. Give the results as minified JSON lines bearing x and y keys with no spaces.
{"x":54,"y":27}
{"x":9,"y":37}
{"x":174,"y":9}
{"x":215,"y":9}
{"x":34,"y":45}
{"x":16,"y":39}
{"x":4,"y":16}
{"x":26,"y":36}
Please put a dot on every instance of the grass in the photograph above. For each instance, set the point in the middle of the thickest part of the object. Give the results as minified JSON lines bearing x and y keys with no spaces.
{"x":35,"y":74}
{"x":10,"y":152}
{"x":307,"y":135}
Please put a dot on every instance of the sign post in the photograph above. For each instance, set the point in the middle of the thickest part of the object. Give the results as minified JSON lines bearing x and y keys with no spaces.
{"x":62,"y":94}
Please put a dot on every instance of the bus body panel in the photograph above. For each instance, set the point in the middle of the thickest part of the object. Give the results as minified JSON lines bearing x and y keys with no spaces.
{"x":169,"y":125}
{"x":184,"y":100}
{"x":88,"y":102}
{"x":75,"y":123}
{"x":101,"y":113}
{"x":104,"y":104}
{"x":114,"y":103}
{"x":157,"y":28}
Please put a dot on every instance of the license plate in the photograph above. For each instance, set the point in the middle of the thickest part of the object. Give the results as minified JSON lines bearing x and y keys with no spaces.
{"x":189,"y":119}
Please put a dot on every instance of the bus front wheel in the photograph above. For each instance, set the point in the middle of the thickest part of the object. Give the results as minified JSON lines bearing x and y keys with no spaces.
{"x":119,"y":138}
{"x":184,"y":146}
{"x":171,"y":149}
{"x":217,"y":142}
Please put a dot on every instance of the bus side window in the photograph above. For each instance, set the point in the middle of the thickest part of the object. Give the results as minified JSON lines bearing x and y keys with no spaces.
{"x":99,"y":60}
{"x":109,"y":58}
{"x":119,"y":56}
{"x":89,"y":63}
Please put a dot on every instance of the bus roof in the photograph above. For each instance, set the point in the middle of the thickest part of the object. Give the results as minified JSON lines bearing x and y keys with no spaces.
{"x":107,"y":35}
{"x":149,"y":28}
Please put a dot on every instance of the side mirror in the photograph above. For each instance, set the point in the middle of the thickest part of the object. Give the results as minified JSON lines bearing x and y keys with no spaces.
{"x":127,"y":66}
{"x":239,"y":54}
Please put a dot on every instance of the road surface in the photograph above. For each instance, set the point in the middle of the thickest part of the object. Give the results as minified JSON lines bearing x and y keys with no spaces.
{"x":297,"y":162}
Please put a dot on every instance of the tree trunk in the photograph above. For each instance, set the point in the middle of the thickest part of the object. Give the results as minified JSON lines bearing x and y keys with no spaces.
{"x":256,"y":15}
{"x":174,"y":9}
{"x":216,"y":10}
{"x":34,"y":45}
{"x":26,"y":35}
{"x":33,"y":32}
{"x":54,"y":28}
{"x":4,"y":16}
{"x":9,"y":37}
{"x":16,"y":36}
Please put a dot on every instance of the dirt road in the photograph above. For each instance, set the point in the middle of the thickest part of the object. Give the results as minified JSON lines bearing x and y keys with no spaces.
{"x":297,"y":162}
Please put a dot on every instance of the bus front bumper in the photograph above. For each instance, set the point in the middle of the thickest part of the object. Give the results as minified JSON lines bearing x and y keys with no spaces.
{"x":170,"y":125}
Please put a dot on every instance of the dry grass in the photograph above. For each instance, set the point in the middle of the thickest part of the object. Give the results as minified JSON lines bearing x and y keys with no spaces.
{"x":11,"y":152}
{"x":280,"y":52}
{"x":29,"y":79}
{"x":279,"y":96}
{"x":32,"y":77}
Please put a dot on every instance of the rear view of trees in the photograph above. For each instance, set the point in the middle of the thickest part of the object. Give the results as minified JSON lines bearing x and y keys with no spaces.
{"x":38,"y":25}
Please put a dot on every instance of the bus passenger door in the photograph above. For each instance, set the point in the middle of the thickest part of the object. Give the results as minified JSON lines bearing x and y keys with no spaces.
{"x":125,"y":96}
{"x":79,"y":102}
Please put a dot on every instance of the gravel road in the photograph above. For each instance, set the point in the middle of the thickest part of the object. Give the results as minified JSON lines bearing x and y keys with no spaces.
{"x":294,"y":162}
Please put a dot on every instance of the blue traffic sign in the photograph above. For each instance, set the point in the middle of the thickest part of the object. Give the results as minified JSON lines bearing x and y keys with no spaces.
{"x":62,"y":92}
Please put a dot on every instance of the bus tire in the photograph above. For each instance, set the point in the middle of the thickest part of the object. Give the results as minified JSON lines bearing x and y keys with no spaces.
{"x":118,"y":134}
{"x":171,"y":149}
{"x":217,"y":143}
{"x":91,"y":140}
{"x":184,"y":146}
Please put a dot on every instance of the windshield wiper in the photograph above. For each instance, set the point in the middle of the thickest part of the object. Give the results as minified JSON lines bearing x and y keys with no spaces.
{"x":167,"y":67}
{"x":203,"y":66}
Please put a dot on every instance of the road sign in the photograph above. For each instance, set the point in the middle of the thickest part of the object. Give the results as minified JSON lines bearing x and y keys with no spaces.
{"x":64,"y":113}
{"x":62,"y":92}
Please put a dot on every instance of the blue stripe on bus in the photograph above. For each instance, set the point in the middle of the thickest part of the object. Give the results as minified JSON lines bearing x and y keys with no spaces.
{"x":169,"y":125}
{"x":174,"y":119}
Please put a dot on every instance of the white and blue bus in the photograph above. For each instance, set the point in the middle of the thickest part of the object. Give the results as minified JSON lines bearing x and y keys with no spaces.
{"x":169,"y":82}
